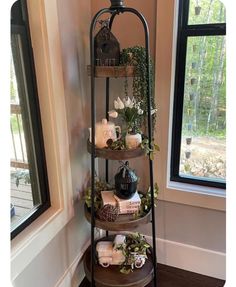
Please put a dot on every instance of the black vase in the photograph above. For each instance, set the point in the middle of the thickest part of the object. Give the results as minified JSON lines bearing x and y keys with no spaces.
{"x":126,"y":182}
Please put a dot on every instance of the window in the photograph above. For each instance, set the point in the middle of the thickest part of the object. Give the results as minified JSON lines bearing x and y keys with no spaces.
{"x":29,"y":184}
{"x":199,"y":115}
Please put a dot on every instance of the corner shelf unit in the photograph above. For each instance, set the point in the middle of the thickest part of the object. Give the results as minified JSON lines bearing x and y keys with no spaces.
{"x":111,"y":276}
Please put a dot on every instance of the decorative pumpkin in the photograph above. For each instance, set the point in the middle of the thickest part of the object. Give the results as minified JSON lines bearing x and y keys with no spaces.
{"x":125,"y":182}
{"x":108,"y":213}
{"x":107,"y":48}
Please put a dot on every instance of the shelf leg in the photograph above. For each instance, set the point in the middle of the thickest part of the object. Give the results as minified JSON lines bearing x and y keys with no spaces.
{"x":93,"y":120}
{"x":107,"y":117}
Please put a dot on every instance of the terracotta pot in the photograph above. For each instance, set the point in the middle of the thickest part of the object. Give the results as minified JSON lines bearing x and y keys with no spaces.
{"x":193,"y":81}
{"x":191,"y":96}
{"x":187,"y":154}
{"x":197,"y":10}
{"x":188,"y":141}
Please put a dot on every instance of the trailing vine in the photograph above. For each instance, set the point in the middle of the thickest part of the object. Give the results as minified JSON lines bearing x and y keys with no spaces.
{"x":101,"y":185}
{"x":135,"y":244}
{"x":136,"y":56}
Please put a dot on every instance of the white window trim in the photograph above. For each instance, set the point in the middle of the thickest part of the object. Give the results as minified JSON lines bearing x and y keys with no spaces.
{"x":201,"y":196}
{"x":30,"y":242}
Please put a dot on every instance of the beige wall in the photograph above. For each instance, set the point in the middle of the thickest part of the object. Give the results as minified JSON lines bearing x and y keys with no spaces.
{"x":127,"y":28}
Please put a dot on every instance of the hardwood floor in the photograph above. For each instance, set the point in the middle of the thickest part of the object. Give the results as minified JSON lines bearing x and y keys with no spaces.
{"x":21,"y":198}
{"x":174,"y":277}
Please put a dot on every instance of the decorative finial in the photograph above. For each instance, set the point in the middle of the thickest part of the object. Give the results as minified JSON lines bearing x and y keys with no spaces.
{"x":104,"y":23}
{"x":117,"y":4}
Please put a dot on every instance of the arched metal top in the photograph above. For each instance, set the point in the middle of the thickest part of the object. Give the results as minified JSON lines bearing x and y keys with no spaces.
{"x":116,"y":10}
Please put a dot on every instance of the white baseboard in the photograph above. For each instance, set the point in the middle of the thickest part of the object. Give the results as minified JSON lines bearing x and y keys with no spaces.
{"x":188,"y":257}
{"x":191,"y":258}
{"x":171,"y":253}
{"x":74,"y":274}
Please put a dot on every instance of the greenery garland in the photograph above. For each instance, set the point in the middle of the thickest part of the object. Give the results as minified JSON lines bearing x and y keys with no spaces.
{"x":102,"y":185}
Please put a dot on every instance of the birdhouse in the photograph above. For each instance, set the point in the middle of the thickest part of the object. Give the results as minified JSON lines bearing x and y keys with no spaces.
{"x":107,"y":48}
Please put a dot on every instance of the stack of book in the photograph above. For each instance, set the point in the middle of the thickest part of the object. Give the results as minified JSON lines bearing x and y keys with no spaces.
{"x":126,"y":206}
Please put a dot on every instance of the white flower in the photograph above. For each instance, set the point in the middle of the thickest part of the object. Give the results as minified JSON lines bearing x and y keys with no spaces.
{"x":128,"y":103}
{"x":113,"y":114}
{"x":140,"y":111}
{"x":118,"y":104}
{"x":121,"y":104}
{"x":153,"y":111}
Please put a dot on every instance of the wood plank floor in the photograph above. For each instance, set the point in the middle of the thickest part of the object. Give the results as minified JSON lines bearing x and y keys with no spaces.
{"x":174,"y":277}
{"x":21,"y":198}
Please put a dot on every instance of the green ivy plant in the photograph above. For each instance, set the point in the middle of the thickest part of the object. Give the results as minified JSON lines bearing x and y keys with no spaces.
{"x":120,"y":145}
{"x":146,"y":201}
{"x":99,"y":186}
{"x":135,"y":243}
{"x":149,"y":150}
{"x":21,"y":175}
{"x":136,"y":56}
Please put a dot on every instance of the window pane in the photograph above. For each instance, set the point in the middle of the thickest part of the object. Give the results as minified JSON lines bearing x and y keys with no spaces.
{"x":206,"y":12}
{"x":25,"y":194}
{"x":204,"y":110}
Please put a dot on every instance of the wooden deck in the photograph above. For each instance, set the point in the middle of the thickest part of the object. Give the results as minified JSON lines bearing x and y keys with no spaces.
{"x":21,"y":198}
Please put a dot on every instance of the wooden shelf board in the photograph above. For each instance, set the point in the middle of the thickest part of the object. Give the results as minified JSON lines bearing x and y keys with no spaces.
{"x":112,"y":277}
{"x":112,"y":71}
{"x":115,"y":154}
{"x":122,"y":223}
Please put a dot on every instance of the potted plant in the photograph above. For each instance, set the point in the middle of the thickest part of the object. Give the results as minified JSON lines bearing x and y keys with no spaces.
{"x":19,"y":175}
{"x":131,"y":114}
{"x":135,"y":251}
{"x":197,"y":10}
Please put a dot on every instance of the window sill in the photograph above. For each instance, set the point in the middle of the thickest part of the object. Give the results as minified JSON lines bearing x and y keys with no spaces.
{"x":195,"y":195}
{"x":31,"y":241}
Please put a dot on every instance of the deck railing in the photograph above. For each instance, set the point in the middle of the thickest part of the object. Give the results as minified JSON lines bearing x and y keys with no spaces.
{"x":18,"y":155}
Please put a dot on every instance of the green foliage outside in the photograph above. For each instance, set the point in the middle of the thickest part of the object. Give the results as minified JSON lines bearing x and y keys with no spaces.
{"x":205,"y":76}
{"x":16,"y":124}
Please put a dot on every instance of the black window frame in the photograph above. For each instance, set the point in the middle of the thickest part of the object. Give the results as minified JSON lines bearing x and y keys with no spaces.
{"x":184,"y":31}
{"x":20,"y":26}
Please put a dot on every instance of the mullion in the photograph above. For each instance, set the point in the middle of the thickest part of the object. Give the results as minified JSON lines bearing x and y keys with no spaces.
{"x":204,"y":31}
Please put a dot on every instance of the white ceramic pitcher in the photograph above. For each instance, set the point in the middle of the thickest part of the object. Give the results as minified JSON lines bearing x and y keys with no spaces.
{"x":104,"y":131}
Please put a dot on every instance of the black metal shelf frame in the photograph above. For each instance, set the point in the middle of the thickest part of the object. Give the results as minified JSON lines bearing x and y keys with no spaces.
{"x":117,"y":7}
